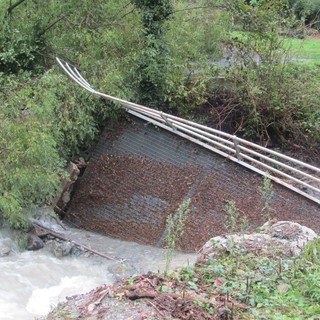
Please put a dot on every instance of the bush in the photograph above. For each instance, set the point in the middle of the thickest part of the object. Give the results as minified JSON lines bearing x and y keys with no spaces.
{"x":278,"y":99}
{"x":195,"y":39}
{"x":308,"y":11}
{"x":45,"y":118}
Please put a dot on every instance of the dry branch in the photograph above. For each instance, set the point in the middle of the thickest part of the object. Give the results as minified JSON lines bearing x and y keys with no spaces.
{"x":10,"y":9}
{"x":78,"y":244}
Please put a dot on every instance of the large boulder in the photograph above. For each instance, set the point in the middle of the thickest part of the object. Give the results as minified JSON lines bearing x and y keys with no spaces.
{"x":281,"y":239}
{"x":59,"y":248}
{"x":34,"y":242}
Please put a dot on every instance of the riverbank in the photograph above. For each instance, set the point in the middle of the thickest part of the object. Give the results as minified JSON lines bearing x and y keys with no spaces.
{"x":266,"y":275}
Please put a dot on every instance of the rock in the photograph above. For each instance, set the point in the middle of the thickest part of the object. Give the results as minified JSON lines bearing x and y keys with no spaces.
{"x":59,"y":248}
{"x":46,"y":217}
{"x":34,"y":242}
{"x":282,"y":239}
{"x":292,"y":231}
{"x":4,"y":250}
{"x":122,"y":270}
{"x":40,"y":232}
{"x":67,"y":186}
{"x":283,"y":287}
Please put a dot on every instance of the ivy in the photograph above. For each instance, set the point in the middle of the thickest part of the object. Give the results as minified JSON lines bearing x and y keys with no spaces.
{"x":153,"y":64}
{"x":154,"y":14}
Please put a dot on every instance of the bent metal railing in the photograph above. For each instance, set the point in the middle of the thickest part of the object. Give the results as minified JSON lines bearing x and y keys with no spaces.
{"x":296,"y":175}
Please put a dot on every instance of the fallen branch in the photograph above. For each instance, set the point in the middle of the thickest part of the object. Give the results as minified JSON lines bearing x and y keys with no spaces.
{"x":9,"y":10}
{"x":146,"y":294}
{"x":80,"y":245}
{"x":155,"y":308}
{"x":51,"y":25}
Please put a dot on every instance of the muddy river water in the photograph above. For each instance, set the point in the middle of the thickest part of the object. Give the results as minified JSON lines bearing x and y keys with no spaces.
{"x":32,"y":282}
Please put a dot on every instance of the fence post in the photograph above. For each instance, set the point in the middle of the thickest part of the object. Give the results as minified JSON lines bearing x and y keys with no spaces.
{"x":168,"y":122}
{"x":236,"y":147}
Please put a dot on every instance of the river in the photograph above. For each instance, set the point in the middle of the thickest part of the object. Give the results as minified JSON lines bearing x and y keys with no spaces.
{"x":33,"y":282}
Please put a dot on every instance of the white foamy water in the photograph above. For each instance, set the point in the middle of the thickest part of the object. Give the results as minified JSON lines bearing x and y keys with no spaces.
{"x":33,"y":282}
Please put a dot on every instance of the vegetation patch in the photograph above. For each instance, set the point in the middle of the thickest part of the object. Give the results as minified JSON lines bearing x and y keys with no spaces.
{"x":306,"y":50}
{"x":231,"y":286}
{"x":166,"y":54}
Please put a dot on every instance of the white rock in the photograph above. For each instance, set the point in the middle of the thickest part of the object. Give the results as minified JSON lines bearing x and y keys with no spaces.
{"x":284,"y":238}
{"x":4,"y":251}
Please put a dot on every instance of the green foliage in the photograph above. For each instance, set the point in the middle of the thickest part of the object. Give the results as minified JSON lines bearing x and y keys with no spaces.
{"x":195,"y":39}
{"x":308,"y":11}
{"x":29,"y":165}
{"x":45,"y":118}
{"x":23,"y":39}
{"x":175,"y":229}
{"x":260,"y":17}
{"x":154,"y":14}
{"x":272,"y":288}
{"x":234,"y":219}
{"x":277,"y":97}
{"x":18,"y":50}
{"x":153,"y":61}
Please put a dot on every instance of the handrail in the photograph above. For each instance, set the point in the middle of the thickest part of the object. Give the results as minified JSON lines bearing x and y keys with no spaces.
{"x":294,"y":174}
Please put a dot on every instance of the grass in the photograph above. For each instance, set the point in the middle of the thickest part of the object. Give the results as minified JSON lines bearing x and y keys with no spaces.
{"x":272,"y":288}
{"x":307,"y":49}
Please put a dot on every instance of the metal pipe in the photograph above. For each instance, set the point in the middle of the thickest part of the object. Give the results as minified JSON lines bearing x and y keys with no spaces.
{"x":234,"y":159}
{"x":212,"y":136}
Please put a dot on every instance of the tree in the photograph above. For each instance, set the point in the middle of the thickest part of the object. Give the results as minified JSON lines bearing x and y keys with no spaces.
{"x":275,"y":97}
{"x":308,"y":11}
{"x":154,"y":58}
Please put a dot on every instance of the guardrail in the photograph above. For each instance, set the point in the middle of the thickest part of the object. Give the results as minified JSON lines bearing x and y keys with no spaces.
{"x":296,"y":175}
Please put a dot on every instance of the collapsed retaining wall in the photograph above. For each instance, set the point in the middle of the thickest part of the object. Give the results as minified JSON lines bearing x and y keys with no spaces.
{"x":139,"y":174}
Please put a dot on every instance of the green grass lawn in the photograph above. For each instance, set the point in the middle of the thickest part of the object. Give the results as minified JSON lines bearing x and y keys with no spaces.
{"x":308,"y":49}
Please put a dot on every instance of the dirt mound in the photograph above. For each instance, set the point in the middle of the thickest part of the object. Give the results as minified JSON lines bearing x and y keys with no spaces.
{"x":147,"y":296}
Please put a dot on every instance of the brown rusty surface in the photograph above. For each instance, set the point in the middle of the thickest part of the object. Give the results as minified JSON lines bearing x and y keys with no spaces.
{"x":134,"y":183}
{"x":113,"y":182}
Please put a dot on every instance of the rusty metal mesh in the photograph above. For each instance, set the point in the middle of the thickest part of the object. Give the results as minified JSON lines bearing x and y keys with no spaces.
{"x":140,"y":174}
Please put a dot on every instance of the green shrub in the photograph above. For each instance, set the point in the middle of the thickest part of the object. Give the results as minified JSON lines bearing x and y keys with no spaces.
{"x":45,"y":118}
{"x":277,"y":98}
{"x":308,"y":11}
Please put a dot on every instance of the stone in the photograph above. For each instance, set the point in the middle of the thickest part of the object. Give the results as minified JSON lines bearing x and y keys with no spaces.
{"x":283,"y":287}
{"x":34,"y":242}
{"x":281,"y":239}
{"x":40,"y":232}
{"x":290,"y":231}
{"x":122,"y":270}
{"x":4,"y":251}
{"x":293,"y":232}
{"x":59,"y":248}
{"x":67,"y":187}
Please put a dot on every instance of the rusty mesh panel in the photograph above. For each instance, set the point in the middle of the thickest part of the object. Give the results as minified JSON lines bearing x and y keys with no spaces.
{"x":140,"y":174}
